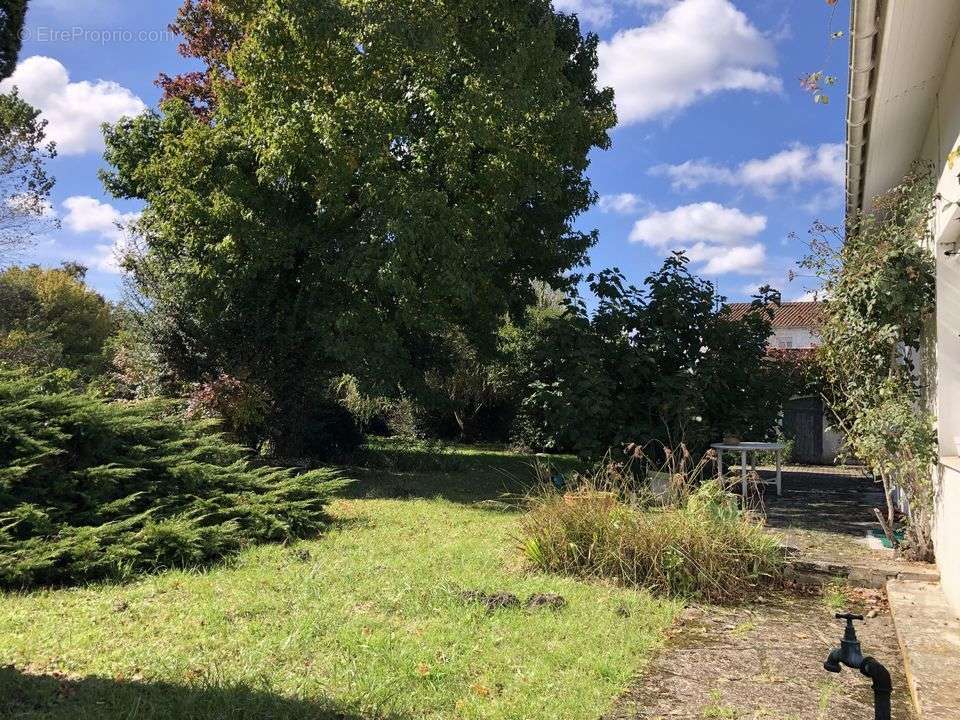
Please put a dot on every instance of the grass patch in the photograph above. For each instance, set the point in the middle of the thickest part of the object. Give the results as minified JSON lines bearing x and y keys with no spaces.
{"x":717,"y":709}
{"x":366,"y":622}
{"x":836,"y":595}
{"x":402,"y":455}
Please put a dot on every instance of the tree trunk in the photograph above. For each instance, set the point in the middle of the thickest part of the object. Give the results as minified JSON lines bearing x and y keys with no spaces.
{"x":888,"y":523}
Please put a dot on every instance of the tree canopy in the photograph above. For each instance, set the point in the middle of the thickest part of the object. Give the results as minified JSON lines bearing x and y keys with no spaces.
{"x":363,"y":179}
{"x":50,"y":319}
{"x":665,"y":361}
{"x":12,"y":15}
{"x":25,"y":185}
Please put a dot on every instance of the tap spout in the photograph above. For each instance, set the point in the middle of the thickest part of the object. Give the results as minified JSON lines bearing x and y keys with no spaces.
{"x":882,"y":687}
{"x":833,"y":662}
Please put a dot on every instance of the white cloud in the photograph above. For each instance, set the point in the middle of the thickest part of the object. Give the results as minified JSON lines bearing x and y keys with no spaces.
{"x":89,"y":215}
{"x":700,"y":222}
{"x":75,"y":110}
{"x":601,"y":12}
{"x":692,"y":174}
{"x":694,"y":49}
{"x":713,"y":236}
{"x":595,"y":12}
{"x":27,"y":204}
{"x":622,"y":204}
{"x":798,"y":165}
{"x":743,"y":259}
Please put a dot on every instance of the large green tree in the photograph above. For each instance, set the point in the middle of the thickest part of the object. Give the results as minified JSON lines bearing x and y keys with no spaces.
{"x":356,"y":179}
{"x":12,"y":15}
{"x":51,"y":319}
{"x":665,"y":361}
{"x":25,"y":185}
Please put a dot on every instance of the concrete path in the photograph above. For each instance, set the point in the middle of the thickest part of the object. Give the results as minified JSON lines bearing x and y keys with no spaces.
{"x":826,"y":517}
{"x":929,"y":636}
{"x":765,"y":662}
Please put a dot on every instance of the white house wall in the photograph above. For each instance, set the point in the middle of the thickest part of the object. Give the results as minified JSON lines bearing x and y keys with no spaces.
{"x":943,"y":135}
{"x":794,"y":338}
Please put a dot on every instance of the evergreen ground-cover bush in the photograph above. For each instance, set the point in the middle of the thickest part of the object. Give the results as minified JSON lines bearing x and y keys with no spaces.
{"x":92,"y":490}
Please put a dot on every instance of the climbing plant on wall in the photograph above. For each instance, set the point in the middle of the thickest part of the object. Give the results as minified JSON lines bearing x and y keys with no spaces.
{"x":816,"y":83}
{"x":879,"y":279}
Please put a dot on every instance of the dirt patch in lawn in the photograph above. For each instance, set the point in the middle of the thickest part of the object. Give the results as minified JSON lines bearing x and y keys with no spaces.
{"x":765,"y":662}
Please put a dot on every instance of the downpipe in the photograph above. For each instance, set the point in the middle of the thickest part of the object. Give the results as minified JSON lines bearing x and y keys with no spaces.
{"x":850,"y":654}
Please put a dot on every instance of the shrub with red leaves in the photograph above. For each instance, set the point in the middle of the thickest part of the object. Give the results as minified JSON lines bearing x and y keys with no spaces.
{"x":243,"y":408}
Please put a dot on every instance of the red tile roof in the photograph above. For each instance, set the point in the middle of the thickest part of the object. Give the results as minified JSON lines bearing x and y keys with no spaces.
{"x":788,"y":315}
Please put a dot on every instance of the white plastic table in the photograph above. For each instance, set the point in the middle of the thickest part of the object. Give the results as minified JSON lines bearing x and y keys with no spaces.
{"x":751,"y":448}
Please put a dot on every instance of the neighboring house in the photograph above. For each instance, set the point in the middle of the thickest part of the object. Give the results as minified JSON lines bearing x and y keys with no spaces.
{"x":904,"y":105}
{"x":796,"y":325}
{"x":796,"y":329}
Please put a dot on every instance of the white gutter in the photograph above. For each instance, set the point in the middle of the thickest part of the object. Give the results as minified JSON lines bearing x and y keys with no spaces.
{"x":864,"y":49}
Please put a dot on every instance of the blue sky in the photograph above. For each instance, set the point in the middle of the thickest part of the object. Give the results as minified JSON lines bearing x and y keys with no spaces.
{"x":719,"y":150}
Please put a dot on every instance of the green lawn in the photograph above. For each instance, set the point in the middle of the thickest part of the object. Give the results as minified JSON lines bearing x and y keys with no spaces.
{"x":364,"y":622}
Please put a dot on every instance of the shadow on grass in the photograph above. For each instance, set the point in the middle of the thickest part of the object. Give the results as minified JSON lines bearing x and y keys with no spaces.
{"x":32,"y":697}
{"x":474,"y":475}
{"x":483,"y":493}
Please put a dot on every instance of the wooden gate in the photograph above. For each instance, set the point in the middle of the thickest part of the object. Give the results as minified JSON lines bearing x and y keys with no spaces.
{"x":803,"y":422}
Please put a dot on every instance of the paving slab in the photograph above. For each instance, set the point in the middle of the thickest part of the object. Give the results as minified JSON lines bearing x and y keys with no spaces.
{"x":826,"y":516}
{"x":764,"y":661}
{"x":929,"y":637}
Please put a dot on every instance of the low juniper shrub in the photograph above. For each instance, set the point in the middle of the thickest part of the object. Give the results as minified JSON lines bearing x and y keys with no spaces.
{"x":92,"y":490}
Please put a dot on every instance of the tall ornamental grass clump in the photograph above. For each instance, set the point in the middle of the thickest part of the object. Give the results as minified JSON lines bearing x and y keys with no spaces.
{"x":92,"y":490}
{"x":703,"y":548}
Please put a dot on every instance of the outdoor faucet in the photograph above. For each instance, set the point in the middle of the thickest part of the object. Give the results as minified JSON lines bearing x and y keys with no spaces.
{"x":850,"y":654}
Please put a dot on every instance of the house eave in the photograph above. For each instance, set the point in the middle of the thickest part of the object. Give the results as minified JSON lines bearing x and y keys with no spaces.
{"x":864,"y":48}
{"x":898,"y":54}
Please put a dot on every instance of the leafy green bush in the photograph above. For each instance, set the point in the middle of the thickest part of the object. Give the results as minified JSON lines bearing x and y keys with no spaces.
{"x":242,"y":407}
{"x":91,"y":490}
{"x":704,"y":549}
{"x":664,"y":362}
{"x":375,"y":415}
{"x":314,"y":428}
